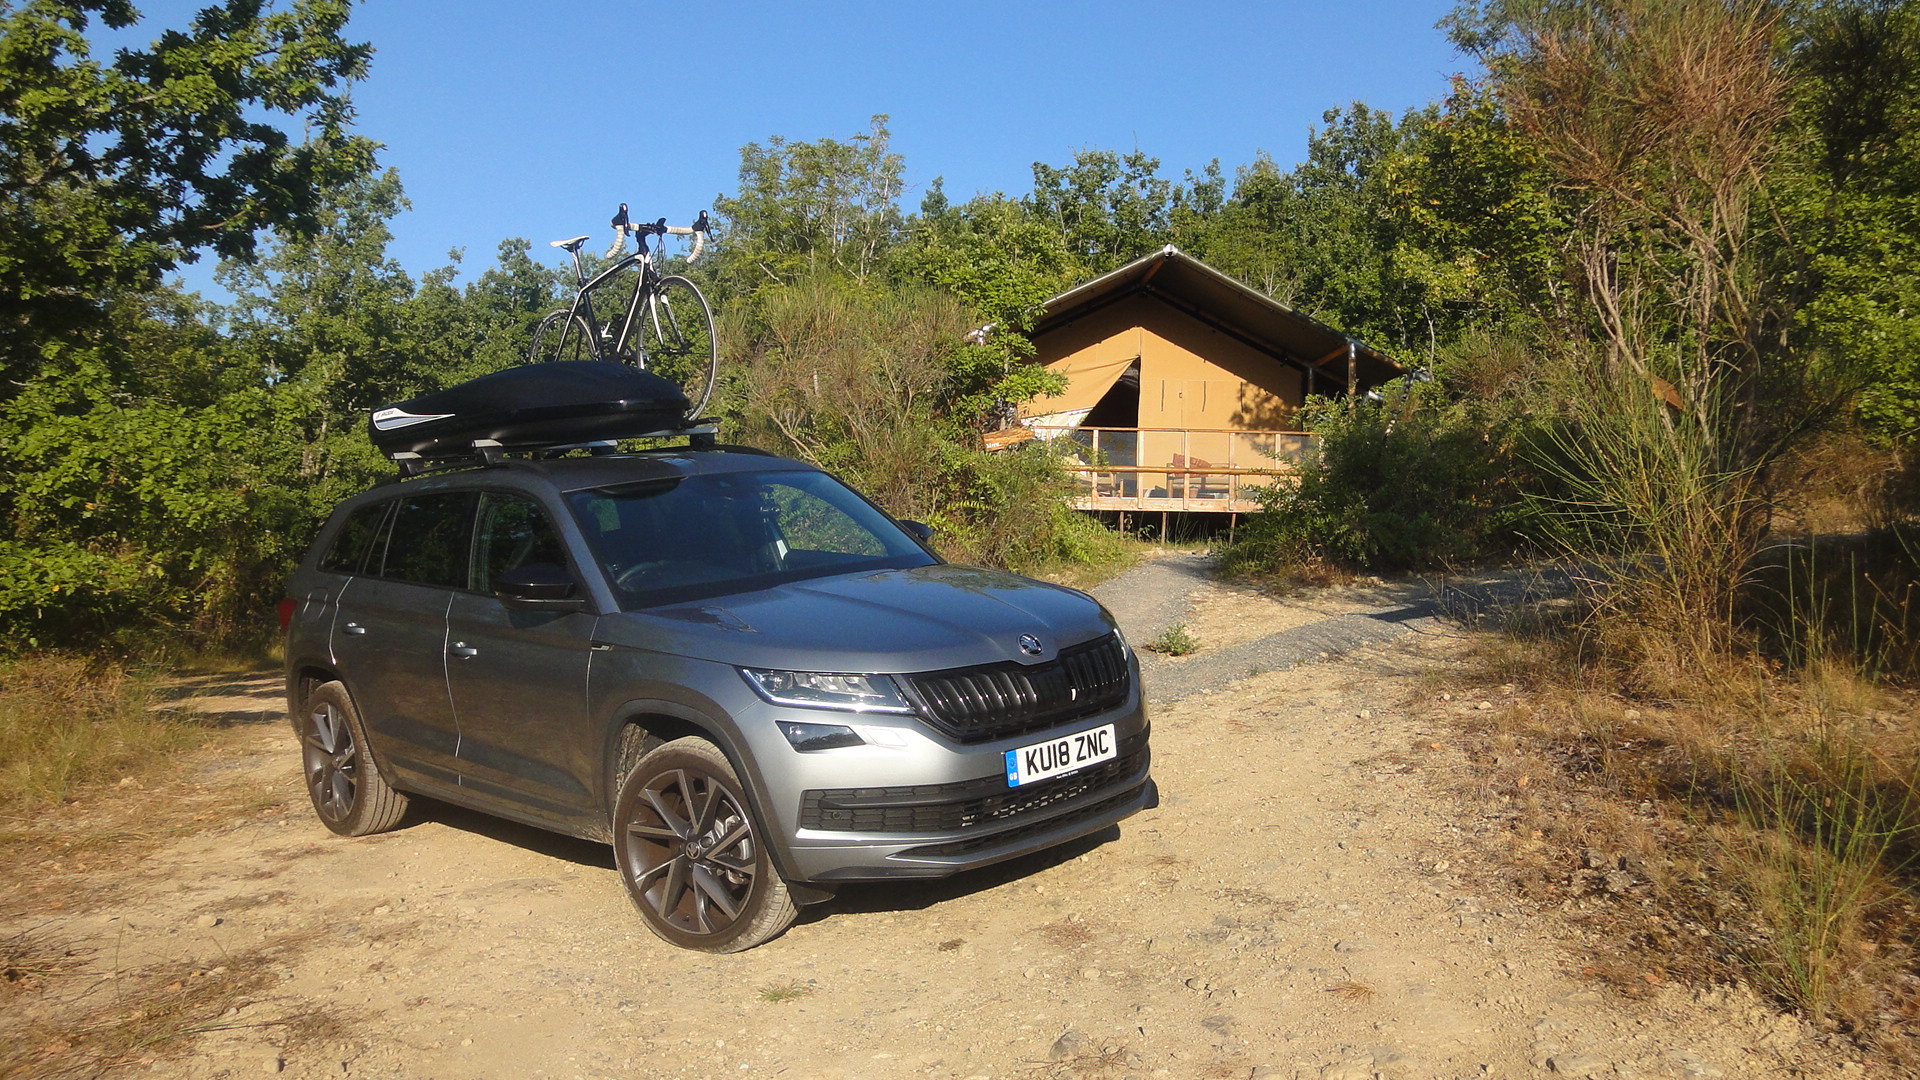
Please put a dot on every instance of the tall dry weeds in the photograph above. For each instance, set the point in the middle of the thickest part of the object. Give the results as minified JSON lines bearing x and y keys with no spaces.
{"x":850,"y":379}
{"x":857,"y":380}
{"x":67,"y":721}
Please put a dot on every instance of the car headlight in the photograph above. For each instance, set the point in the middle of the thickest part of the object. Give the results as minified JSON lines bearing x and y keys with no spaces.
{"x":825,"y":690}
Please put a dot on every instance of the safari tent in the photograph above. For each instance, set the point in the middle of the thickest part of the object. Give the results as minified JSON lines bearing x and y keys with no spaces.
{"x":1182,"y":384}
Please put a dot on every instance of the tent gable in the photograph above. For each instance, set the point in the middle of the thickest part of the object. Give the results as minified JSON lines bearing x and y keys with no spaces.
{"x":1190,"y":374}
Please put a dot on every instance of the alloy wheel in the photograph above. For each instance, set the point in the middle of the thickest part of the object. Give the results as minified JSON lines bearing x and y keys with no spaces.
{"x":691,"y":853}
{"x":332,"y":763}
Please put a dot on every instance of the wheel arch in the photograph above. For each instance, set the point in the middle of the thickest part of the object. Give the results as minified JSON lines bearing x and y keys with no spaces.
{"x":301,"y":681}
{"x":643,"y":725}
{"x":303,"y":678}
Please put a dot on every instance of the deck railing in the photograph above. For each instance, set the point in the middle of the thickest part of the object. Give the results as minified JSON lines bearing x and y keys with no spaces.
{"x":1175,"y":468}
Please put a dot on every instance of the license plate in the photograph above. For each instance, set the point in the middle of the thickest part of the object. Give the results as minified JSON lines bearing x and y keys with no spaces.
{"x":1057,"y":757}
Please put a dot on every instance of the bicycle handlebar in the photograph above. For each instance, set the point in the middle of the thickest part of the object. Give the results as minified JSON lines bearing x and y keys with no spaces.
{"x":642,"y":229}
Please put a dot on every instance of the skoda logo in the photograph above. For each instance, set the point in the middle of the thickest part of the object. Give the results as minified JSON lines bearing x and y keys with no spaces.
{"x":1030,"y":645}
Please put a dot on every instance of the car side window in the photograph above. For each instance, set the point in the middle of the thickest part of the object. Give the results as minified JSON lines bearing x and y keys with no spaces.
{"x":512,"y":531}
{"x":348,"y":553}
{"x":428,"y":541}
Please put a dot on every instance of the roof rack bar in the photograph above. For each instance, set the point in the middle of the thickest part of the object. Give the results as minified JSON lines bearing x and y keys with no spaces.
{"x":486,"y":453}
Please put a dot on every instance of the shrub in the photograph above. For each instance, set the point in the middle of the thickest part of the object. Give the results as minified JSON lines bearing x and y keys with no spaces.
{"x":1409,"y":481}
{"x":1174,"y":641}
{"x":1009,"y":509}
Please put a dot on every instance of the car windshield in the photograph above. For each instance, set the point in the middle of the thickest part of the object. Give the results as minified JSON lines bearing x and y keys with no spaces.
{"x":689,"y":538}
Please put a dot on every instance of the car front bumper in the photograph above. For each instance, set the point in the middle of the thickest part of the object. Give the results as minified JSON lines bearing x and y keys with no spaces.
{"x":913,"y":804}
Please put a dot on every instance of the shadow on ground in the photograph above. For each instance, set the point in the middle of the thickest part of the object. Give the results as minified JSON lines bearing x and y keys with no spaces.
{"x":853,"y":897}
{"x":227,"y":698}
{"x":532,"y":838}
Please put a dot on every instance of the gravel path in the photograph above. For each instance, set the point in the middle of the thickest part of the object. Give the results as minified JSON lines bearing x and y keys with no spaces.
{"x":1154,"y":595}
{"x":1158,"y":594}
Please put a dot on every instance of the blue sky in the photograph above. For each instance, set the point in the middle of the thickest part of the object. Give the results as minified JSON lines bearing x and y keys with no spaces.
{"x":507,"y":118}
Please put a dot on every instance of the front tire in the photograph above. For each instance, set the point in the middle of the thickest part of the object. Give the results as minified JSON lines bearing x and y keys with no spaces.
{"x":347,"y":789}
{"x":678,"y":341}
{"x":691,"y":854}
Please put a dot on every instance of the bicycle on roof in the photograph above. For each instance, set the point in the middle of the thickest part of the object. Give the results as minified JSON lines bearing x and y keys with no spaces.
{"x":659,"y":323}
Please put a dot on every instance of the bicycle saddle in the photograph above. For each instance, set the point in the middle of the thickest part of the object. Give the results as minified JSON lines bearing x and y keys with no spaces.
{"x":568,"y":245}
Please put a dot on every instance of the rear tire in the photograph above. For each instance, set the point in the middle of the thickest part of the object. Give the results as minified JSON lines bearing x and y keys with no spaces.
{"x":562,"y":335}
{"x":678,"y":341}
{"x":347,"y":789}
{"x":691,"y":854}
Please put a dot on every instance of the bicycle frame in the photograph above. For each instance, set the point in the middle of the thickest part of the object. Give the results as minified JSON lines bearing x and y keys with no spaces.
{"x":582,"y":308}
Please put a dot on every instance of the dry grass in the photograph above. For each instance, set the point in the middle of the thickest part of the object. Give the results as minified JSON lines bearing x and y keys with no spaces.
{"x":775,"y":993}
{"x":31,"y":960}
{"x":68,"y":723}
{"x":1105,"y":1061}
{"x":96,"y":770}
{"x":1352,"y":990}
{"x":1068,"y":933}
{"x":1707,"y":818}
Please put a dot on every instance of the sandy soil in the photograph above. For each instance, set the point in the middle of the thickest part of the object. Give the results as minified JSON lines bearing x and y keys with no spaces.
{"x":1303,"y":904}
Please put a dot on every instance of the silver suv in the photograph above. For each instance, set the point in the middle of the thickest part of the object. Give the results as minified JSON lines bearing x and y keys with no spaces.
{"x":749,"y":680}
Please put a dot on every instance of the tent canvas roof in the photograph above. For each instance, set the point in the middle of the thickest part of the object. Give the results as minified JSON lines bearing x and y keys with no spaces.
{"x":1191,"y":286}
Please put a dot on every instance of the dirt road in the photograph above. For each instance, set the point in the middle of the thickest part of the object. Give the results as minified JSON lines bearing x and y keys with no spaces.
{"x":1302,"y":905}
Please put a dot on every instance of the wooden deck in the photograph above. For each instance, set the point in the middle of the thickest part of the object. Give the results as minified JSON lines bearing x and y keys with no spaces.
{"x":1176,"y":469}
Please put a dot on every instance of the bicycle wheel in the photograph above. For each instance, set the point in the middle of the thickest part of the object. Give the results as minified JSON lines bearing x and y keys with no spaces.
{"x":678,"y":341}
{"x":560,"y":336}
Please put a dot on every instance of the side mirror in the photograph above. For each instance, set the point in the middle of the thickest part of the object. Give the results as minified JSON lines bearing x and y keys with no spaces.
{"x":537,"y":584}
{"x":920,"y":530}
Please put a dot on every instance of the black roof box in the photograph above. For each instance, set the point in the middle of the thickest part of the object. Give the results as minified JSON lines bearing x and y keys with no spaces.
{"x":529,"y":407}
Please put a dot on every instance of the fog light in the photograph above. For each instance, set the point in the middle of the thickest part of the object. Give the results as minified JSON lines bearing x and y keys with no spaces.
{"x":807,"y":737}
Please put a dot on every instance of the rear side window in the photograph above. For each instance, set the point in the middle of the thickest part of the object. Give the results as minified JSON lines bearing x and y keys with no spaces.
{"x":350,"y":545}
{"x":428,"y":542}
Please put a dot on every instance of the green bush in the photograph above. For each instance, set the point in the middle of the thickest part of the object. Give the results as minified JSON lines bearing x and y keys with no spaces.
{"x":1009,"y":509}
{"x":1405,"y":482}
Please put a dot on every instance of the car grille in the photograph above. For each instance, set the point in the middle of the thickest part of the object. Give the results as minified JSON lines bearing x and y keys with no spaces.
{"x":964,"y":805}
{"x":995,"y":701}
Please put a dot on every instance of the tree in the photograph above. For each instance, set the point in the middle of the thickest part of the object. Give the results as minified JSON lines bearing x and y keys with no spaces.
{"x":1856,"y":95}
{"x":811,"y":206}
{"x":1484,"y":234}
{"x":113,"y":173}
{"x":1004,"y":264}
{"x":1107,"y":208}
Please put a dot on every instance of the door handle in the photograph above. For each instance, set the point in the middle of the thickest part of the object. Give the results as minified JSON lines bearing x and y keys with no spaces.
{"x":462,"y":650}
{"x":354,"y":628}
